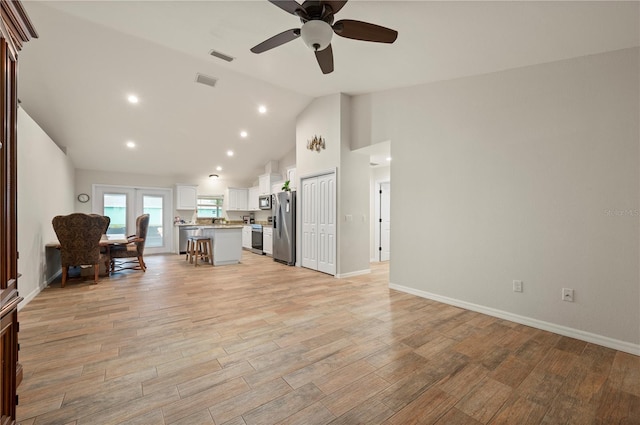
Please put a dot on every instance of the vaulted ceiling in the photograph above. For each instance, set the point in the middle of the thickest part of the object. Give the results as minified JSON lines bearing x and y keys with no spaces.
{"x":74,"y":79}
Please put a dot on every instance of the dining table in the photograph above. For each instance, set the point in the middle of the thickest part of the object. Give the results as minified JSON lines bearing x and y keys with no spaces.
{"x":107,"y":241}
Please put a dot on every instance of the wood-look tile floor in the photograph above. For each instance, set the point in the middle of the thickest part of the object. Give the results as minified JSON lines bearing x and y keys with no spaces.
{"x":262,"y":343}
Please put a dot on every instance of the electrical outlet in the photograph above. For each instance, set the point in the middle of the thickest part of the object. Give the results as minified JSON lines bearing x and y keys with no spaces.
{"x":517,"y":286}
{"x":567,"y":294}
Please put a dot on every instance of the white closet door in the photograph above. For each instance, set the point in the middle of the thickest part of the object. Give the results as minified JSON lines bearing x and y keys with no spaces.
{"x":327,"y":223}
{"x":310,"y":223}
{"x":319,"y":223}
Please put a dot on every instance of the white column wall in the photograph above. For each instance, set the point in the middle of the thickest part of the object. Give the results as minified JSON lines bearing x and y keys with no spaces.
{"x":353,"y":202}
{"x":330,"y":117}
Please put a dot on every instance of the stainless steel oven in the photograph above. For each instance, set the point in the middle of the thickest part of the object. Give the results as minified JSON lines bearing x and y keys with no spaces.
{"x":256,"y":238}
{"x":265,"y":202}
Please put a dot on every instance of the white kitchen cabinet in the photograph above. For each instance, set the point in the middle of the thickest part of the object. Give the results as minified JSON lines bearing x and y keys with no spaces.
{"x":265,"y":182}
{"x":246,"y":237}
{"x":237,"y":199}
{"x":276,"y":187}
{"x":291,"y":176}
{"x":252,"y":202}
{"x":267,"y":240}
{"x":186,"y":197}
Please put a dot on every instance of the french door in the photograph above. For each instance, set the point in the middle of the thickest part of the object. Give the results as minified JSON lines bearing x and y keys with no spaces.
{"x":123,"y":204}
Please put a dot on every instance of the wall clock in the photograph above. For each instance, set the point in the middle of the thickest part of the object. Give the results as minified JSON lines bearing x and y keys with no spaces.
{"x":83,"y":197}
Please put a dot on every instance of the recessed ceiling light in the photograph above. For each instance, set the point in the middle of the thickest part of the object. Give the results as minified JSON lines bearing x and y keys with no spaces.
{"x":262,"y":109}
{"x":132,"y":98}
{"x":218,"y":168}
{"x":213,"y":176}
{"x":131,"y":144}
{"x":388,"y":158}
{"x":229,"y":153}
{"x":244,"y":134}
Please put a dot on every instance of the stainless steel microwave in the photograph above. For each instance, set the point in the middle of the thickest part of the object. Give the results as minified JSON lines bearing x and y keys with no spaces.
{"x":265,"y":202}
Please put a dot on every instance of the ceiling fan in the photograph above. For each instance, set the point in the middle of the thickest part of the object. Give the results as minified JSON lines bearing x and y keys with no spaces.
{"x":318,"y":27}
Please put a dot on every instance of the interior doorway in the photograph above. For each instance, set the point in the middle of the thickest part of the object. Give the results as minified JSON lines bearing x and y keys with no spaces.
{"x":383,"y":221}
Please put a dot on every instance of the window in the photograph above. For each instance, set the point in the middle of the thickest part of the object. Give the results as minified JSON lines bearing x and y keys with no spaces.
{"x":209,"y":206}
{"x":115,"y":207}
{"x":152,"y":205}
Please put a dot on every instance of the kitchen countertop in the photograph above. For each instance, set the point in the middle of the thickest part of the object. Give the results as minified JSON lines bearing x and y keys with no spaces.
{"x":212,"y":226}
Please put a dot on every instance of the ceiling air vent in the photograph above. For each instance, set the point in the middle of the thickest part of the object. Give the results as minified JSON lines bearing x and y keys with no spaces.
{"x":206,"y":80}
{"x":221,"y":56}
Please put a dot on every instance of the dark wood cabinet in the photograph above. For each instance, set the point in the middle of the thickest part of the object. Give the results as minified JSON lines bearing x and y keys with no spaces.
{"x":15,"y":30}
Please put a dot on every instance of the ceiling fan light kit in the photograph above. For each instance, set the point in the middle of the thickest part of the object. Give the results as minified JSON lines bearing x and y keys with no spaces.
{"x":316,"y":34}
{"x":318,"y":28}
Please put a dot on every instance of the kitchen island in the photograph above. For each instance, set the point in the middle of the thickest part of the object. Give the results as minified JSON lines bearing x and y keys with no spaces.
{"x":226,"y":242}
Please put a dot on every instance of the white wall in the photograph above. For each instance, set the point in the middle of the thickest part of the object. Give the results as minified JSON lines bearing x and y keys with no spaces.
{"x":320,"y":118}
{"x":45,"y":189}
{"x":529,"y":174}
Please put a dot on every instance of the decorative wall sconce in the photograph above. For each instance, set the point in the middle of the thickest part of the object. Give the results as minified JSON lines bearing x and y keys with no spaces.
{"x":315,"y":144}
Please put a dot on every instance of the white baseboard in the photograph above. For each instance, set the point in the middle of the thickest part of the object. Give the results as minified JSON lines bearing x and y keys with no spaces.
{"x":27,"y":299}
{"x":616,"y":344}
{"x":52,"y":278}
{"x":352,"y":274}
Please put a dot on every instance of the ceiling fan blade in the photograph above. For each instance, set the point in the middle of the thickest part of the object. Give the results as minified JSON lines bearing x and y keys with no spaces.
{"x":290,"y":6}
{"x":277,"y":40}
{"x":335,"y":4}
{"x":325,"y":59}
{"x":365,"y":31}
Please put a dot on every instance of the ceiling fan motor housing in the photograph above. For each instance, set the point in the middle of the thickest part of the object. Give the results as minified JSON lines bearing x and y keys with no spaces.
{"x":316,"y":34}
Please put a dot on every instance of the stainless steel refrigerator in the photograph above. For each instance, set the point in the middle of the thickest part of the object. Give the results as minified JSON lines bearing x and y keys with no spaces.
{"x":284,"y":227}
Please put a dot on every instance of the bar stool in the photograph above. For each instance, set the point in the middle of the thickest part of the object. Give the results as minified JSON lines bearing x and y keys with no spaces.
{"x":199,"y":247}
{"x":189,"y":251}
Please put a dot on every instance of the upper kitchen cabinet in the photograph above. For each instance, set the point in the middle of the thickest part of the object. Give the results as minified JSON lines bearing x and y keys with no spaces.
{"x":252,"y":202}
{"x":266,"y":181}
{"x":237,"y":199}
{"x":186,"y":197}
{"x":276,"y":187}
{"x":291,"y":176}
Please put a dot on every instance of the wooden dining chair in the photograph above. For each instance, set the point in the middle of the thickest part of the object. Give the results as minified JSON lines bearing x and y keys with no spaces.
{"x":131,"y":255}
{"x":79,"y":236}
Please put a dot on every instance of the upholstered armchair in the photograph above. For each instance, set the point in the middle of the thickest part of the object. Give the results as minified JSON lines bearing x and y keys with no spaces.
{"x":79,"y":236}
{"x":108,"y":221}
{"x":130,"y":256}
